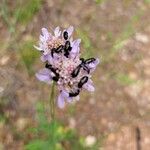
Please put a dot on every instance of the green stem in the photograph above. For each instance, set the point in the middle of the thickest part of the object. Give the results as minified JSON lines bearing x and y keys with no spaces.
{"x":52,"y":113}
{"x":52,"y":102}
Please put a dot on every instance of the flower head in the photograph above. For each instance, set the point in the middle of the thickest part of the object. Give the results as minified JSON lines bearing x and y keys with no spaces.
{"x":64,"y":65}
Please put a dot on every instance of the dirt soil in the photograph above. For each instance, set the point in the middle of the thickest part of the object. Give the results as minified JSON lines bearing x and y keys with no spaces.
{"x":118,"y":112}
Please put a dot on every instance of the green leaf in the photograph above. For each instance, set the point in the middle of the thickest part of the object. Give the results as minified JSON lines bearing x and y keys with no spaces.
{"x":37,"y":145}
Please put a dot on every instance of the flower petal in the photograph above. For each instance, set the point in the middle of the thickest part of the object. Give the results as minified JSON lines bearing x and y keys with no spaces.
{"x":38,"y":48}
{"x":76,"y":42}
{"x":45,"y":33}
{"x":57,"y":31}
{"x":75,"y":48}
{"x":60,"y":101}
{"x":44,"y":75}
{"x":94,"y":64}
{"x":89,"y":86}
{"x":44,"y":58}
{"x":70,"y":30}
{"x":77,"y":98}
{"x":69,"y":99}
{"x":42,"y":39}
{"x":66,"y":96}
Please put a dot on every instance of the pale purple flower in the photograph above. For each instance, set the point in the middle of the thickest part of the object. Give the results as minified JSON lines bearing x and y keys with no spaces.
{"x":48,"y":41}
{"x":45,"y":75}
{"x":64,"y":65}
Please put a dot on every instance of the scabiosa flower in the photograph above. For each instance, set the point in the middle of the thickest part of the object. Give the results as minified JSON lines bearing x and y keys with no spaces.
{"x":49,"y":41}
{"x":64,"y":65}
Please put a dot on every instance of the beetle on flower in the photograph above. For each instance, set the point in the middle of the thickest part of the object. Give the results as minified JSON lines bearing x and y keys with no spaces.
{"x":64,"y":65}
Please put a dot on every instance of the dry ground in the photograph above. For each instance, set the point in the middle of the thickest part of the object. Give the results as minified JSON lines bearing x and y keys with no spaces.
{"x":117,"y":31}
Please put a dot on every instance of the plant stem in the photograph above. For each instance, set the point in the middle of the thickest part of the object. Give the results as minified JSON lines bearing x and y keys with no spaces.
{"x":52,"y":102}
{"x":52,"y":113}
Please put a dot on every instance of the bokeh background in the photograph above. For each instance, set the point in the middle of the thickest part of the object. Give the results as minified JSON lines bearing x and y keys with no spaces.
{"x":117,"y":115}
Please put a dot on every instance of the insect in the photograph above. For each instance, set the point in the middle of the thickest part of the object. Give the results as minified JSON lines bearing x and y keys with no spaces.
{"x":90,"y":60}
{"x":82,"y":81}
{"x":65,"y":35}
{"x":78,"y":68}
{"x":49,"y":66}
{"x":80,"y":84}
{"x":57,"y":50}
{"x":74,"y":94}
{"x":67,"y":48}
{"x":76,"y":71}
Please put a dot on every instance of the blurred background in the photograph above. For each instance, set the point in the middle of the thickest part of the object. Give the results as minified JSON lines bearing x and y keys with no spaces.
{"x":117,"y":115}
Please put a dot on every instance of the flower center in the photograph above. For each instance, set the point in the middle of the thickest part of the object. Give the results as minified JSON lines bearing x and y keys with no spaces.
{"x":55,"y":43}
{"x":67,"y":66}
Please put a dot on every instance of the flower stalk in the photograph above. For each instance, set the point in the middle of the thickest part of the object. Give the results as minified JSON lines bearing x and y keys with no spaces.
{"x":52,"y":114}
{"x":52,"y":102}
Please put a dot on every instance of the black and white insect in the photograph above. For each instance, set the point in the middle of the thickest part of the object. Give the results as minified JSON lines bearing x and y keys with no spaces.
{"x":80,"y":85}
{"x":74,"y":94}
{"x":62,"y":48}
{"x":67,"y":48}
{"x":76,"y":71}
{"x":90,"y":60}
{"x":65,"y":35}
{"x":57,"y":50}
{"x":49,"y":66}
{"x":83,"y":65}
{"x":82,"y":81}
